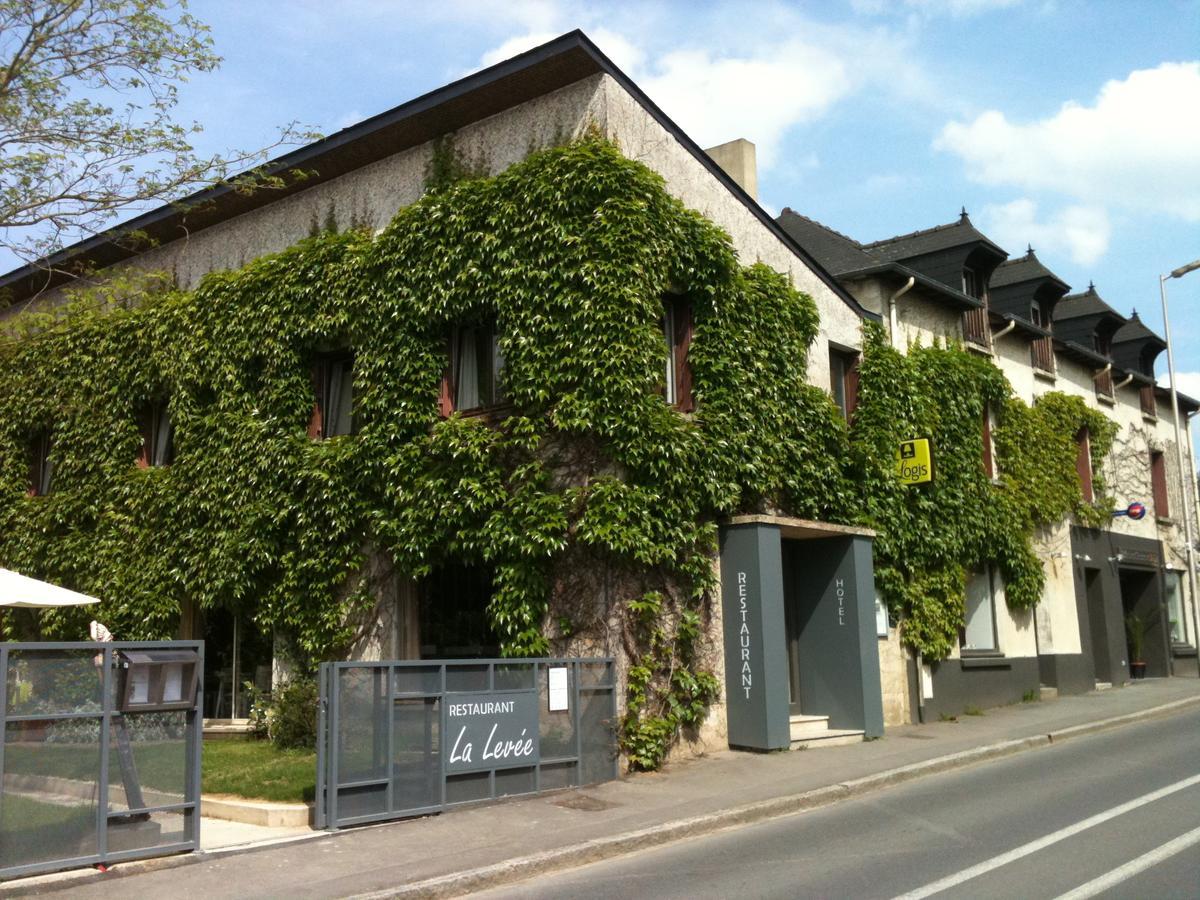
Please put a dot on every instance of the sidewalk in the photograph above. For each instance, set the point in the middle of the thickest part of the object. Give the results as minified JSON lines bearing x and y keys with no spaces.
{"x":470,"y":848}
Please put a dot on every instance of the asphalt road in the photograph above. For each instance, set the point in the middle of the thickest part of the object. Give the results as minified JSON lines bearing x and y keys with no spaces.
{"x":1114,"y":815}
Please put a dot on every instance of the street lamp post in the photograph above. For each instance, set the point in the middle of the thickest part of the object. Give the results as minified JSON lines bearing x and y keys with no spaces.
{"x":1183,"y":473}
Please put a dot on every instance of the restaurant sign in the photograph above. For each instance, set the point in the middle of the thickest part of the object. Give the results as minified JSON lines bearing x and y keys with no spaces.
{"x":490,"y":731}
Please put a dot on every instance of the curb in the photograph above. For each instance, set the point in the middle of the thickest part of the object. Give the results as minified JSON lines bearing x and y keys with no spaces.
{"x":599,"y":849}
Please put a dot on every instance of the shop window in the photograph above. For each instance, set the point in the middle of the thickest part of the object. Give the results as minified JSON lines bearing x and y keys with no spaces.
{"x":474,"y":379}
{"x":1083,"y":464}
{"x":333,"y":387}
{"x":1158,"y":483}
{"x":843,"y":380}
{"x":677,"y":331}
{"x":158,"y":436}
{"x":979,"y":633}
{"x":1173,"y":587}
{"x":991,"y":466}
{"x":41,"y":465}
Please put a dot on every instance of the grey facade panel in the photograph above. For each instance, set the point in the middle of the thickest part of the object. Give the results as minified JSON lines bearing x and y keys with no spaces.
{"x":756,"y":681}
{"x":958,"y":684}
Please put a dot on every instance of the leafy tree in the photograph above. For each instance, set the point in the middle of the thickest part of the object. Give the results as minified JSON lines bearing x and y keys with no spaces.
{"x":87,"y":93}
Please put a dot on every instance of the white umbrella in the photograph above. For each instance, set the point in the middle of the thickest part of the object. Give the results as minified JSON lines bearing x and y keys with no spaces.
{"x":29,"y":593}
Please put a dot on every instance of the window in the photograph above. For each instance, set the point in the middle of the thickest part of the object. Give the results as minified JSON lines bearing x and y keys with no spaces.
{"x":474,"y":378}
{"x":1158,"y":483}
{"x":677,"y":332}
{"x":1102,"y":344}
{"x":843,"y":380}
{"x":333,"y":386}
{"x":990,"y":465}
{"x":972,"y":284}
{"x":158,"y":437}
{"x":1083,"y":464}
{"x":1173,"y":585}
{"x":980,"y":631}
{"x":41,"y":465}
{"x":1035,"y":314}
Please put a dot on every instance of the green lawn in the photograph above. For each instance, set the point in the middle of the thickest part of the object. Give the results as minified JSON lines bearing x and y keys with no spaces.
{"x":251,"y":769}
{"x":256,"y":770}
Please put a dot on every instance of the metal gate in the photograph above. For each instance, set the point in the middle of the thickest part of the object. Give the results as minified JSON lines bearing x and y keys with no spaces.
{"x":400,"y":739}
{"x":99,"y":753}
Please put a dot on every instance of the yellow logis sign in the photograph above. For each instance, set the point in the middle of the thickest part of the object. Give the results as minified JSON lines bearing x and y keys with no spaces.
{"x":914,"y":463}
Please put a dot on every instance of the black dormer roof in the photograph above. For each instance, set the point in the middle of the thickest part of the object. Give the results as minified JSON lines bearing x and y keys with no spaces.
{"x":955,"y":234}
{"x":1081,"y":318}
{"x":1135,"y":347}
{"x":943,"y":252}
{"x":1017,"y":283}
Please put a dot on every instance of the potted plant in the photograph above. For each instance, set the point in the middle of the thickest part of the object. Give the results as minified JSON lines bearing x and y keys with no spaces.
{"x":1135,"y":629}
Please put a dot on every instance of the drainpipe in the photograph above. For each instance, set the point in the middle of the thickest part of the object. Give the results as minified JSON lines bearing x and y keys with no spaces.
{"x":1001,"y":333}
{"x":1119,"y":385}
{"x":1100,"y":372}
{"x":893,"y":324}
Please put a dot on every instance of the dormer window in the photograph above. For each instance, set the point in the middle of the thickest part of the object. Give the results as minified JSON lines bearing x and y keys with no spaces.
{"x":158,"y":436}
{"x":1102,"y":344}
{"x":41,"y":466}
{"x":1036,"y":316}
{"x":333,"y":389}
{"x":972,"y":284}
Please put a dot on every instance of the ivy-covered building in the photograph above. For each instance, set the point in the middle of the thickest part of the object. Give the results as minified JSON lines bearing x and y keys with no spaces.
{"x":1077,"y":376}
{"x":514,"y":368}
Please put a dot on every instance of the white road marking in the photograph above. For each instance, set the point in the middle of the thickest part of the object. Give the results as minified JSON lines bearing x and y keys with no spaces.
{"x":1041,"y":843}
{"x":1134,"y":867}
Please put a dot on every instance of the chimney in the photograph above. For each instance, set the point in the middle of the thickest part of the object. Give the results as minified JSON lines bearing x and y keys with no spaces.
{"x":738,"y":160}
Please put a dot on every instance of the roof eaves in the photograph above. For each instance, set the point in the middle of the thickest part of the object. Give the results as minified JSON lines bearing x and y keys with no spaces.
{"x":572,"y":41}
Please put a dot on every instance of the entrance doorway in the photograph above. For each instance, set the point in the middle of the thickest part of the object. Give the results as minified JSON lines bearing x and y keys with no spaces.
{"x":454,"y":621}
{"x":1098,"y":625}
{"x":236,"y":652}
{"x":1141,"y":598}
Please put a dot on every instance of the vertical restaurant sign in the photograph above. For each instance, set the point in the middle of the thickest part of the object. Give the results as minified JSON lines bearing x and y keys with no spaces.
{"x":914,"y":462}
{"x":490,"y":731}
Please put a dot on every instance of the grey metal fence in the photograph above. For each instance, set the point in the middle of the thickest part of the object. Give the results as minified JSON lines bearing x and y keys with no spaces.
{"x":406,"y":738}
{"x":99,"y":753}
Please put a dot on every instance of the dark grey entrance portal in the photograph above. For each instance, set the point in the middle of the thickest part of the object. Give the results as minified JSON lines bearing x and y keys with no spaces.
{"x":798,"y":602}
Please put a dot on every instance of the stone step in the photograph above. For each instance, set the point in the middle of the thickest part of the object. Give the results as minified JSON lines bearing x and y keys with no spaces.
{"x":805,"y":727}
{"x":833,"y":737}
{"x":1104,"y":685}
{"x":1047,"y":692}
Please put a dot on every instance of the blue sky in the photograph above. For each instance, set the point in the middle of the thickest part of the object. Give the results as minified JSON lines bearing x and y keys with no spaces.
{"x":1071,"y":125}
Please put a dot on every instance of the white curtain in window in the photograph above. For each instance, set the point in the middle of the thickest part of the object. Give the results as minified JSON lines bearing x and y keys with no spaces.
{"x":669,"y":335}
{"x":339,"y":397}
{"x":1174,"y":585}
{"x":497,"y":369}
{"x":466,"y":378}
{"x":981,"y":621}
{"x":162,"y":438}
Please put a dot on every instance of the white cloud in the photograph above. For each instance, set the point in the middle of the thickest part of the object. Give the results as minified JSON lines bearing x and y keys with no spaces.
{"x":956,"y":8}
{"x":716,"y":98}
{"x":1136,"y":147}
{"x":1189,"y":383}
{"x":1081,"y":232}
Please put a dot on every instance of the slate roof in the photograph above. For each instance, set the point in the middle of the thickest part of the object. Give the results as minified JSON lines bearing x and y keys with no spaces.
{"x":931,"y":240}
{"x":832,"y":249}
{"x":1135,"y":330}
{"x":1022,"y":269}
{"x":1087,"y":303}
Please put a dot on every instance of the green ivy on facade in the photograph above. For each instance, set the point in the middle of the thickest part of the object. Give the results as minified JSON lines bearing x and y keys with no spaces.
{"x":594,"y":503}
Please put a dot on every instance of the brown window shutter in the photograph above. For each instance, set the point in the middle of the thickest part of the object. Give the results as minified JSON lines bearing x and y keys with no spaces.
{"x":684,"y":400}
{"x":852,"y":377}
{"x":1083,"y":464}
{"x":989,"y":464}
{"x":146,"y":424}
{"x":316,"y":422}
{"x":1158,"y":481}
{"x":446,"y":390}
